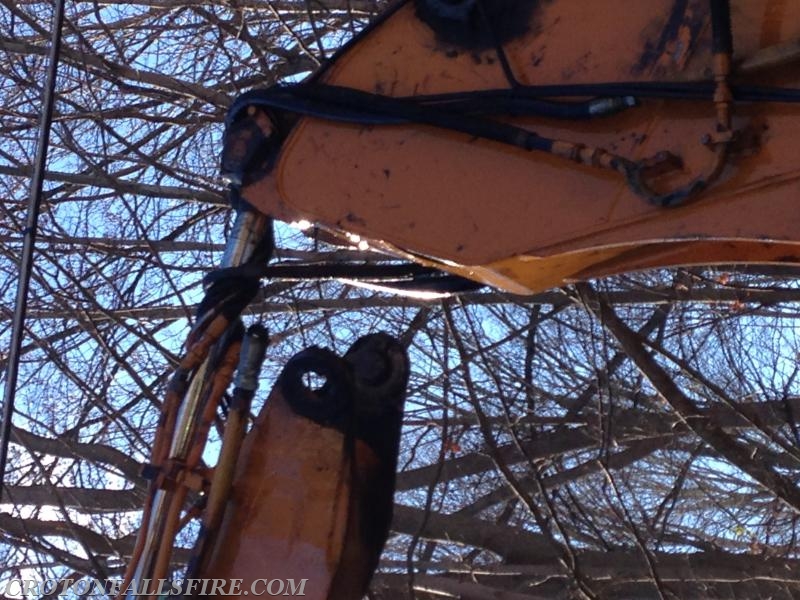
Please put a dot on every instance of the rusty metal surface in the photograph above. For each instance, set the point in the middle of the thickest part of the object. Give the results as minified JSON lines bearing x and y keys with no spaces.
{"x":510,"y":217}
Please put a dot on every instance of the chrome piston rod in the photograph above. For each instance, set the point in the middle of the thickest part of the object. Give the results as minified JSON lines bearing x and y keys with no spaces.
{"x":246,"y":238}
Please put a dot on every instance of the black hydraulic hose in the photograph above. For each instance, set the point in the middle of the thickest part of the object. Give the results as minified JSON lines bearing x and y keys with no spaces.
{"x":696,"y":90}
{"x":29,"y":239}
{"x":457,"y":112}
{"x":294,"y":99}
{"x":516,"y":106}
{"x":303,"y":272}
{"x":402,"y":277}
{"x":722,"y":35}
{"x":338,"y":103}
{"x":354,"y":106}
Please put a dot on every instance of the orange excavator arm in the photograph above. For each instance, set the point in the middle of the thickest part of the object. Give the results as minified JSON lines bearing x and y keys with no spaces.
{"x":650,"y":142}
{"x":311,"y":499}
{"x":516,"y":143}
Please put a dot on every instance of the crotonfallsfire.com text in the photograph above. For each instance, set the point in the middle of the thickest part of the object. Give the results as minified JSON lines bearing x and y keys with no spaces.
{"x":26,"y":588}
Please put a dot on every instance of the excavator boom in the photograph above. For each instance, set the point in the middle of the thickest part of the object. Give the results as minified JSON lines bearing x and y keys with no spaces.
{"x":516,"y":143}
{"x":646,"y":84}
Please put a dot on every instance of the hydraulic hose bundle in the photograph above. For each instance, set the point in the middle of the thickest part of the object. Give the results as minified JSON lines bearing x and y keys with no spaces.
{"x":306,"y":492}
